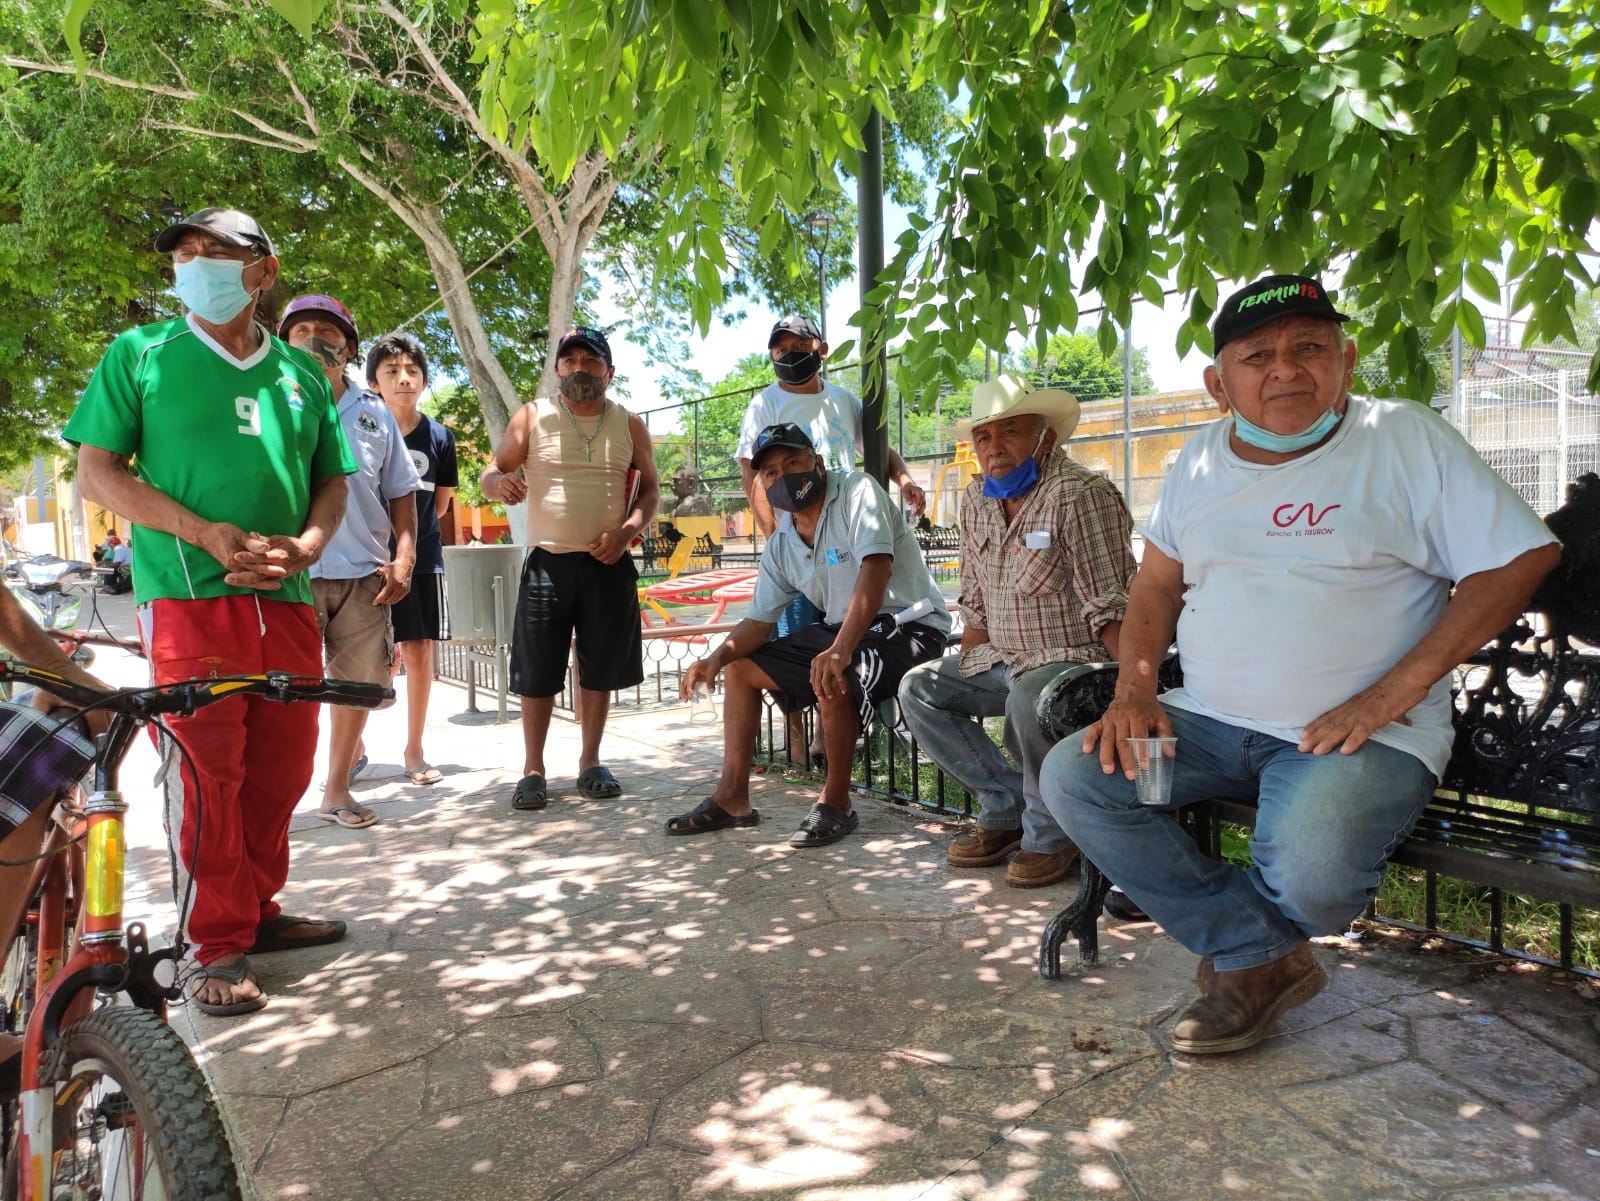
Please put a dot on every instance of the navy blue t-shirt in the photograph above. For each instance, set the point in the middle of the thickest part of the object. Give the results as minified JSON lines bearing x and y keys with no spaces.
{"x":433,"y":450}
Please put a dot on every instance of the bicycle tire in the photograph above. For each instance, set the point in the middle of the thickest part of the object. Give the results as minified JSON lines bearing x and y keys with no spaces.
{"x":122,"y":1068}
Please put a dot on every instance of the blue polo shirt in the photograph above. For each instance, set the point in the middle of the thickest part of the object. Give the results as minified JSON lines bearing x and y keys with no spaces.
{"x":858,"y":519}
{"x":384,"y":473}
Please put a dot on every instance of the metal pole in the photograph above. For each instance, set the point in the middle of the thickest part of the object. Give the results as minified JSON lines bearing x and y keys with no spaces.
{"x":1127,"y":414}
{"x":822,"y":288}
{"x":869,"y":204}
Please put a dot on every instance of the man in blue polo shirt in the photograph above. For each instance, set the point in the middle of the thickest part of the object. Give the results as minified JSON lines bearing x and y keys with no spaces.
{"x":840,"y":541}
{"x":357,"y":579}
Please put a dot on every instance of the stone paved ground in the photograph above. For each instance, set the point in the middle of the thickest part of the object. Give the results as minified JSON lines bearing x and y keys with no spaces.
{"x":571,"y":1004}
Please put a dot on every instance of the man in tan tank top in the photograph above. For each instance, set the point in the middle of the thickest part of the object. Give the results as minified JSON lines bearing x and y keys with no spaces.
{"x":569,"y":457}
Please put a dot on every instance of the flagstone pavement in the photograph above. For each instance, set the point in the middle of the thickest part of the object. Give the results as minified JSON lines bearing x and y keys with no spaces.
{"x":571,"y":1004}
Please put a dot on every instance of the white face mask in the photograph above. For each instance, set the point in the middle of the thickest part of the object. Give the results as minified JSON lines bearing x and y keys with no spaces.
{"x":212,"y":289}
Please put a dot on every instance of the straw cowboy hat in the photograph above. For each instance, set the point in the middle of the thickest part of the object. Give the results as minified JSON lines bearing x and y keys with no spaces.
{"x":1009,"y":396}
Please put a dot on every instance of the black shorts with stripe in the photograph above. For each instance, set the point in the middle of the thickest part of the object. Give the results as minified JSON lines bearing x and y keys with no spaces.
{"x":884,"y":654}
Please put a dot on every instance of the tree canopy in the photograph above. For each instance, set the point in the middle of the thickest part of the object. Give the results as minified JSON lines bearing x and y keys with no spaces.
{"x":1429,"y":156}
{"x":1424,"y":152}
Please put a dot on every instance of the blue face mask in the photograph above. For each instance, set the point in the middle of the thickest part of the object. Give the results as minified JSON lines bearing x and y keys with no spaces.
{"x":212,"y":289}
{"x":1018,"y":480}
{"x":1262,"y":439}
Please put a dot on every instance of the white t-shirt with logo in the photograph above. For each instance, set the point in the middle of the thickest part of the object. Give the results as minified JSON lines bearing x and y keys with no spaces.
{"x":1308,"y":580}
{"x":831,"y":417}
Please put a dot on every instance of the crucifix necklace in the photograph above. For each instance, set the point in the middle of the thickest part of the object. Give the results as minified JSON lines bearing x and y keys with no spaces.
{"x":588,"y":439}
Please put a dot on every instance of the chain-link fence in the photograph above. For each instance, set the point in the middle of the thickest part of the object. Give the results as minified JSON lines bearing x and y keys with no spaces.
{"x":1539,"y":432}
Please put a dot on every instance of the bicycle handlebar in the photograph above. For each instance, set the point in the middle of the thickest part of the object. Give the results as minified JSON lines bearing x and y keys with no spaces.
{"x":185,"y":696}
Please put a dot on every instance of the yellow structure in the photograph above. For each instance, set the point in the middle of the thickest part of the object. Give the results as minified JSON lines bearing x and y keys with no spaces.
{"x":965,"y":465}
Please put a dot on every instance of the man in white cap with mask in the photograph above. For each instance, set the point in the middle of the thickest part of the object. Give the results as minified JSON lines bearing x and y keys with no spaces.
{"x":1046,"y":557}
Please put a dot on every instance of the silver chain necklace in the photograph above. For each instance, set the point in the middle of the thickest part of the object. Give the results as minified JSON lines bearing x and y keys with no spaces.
{"x":588,"y":439}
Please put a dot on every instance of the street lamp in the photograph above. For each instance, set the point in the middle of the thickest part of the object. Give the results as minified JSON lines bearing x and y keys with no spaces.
{"x":823,"y":222}
{"x":170,"y":209}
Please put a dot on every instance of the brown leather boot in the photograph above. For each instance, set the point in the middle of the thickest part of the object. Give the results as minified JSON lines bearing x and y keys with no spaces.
{"x":1237,"y":1008}
{"x":1035,"y":869}
{"x":983,"y":848}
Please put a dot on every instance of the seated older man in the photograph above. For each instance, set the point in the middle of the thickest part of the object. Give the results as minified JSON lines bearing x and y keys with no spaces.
{"x":840,"y":542}
{"x":1304,"y":553}
{"x":1046,"y":556}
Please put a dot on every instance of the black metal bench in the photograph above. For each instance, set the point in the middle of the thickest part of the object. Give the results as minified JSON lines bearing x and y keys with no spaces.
{"x":938,"y":538}
{"x":1518,"y":809}
{"x":658,"y":549}
{"x":704,"y":548}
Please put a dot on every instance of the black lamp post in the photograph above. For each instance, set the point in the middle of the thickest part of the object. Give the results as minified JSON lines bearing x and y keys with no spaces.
{"x":822,"y":222}
{"x":170,"y":209}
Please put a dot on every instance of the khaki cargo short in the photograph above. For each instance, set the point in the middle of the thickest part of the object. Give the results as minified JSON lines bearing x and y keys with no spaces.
{"x":357,"y":638}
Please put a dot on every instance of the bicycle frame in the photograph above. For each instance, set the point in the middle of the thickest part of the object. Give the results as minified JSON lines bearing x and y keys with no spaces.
{"x":80,"y":878}
{"x":80,"y":885}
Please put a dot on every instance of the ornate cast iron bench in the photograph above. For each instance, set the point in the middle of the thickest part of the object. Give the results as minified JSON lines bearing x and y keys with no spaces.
{"x":1518,"y":809}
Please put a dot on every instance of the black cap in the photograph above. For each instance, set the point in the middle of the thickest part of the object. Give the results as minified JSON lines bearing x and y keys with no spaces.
{"x":1265,"y":301}
{"x":785,"y":433}
{"x":801,"y":327}
{"x":586,"y":335}
{"x":228,"y":226}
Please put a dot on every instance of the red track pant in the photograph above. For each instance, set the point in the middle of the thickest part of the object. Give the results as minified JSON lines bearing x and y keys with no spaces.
{"x":248,"y":761}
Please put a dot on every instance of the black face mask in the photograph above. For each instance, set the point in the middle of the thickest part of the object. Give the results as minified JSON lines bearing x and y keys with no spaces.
{"x":797,"y":366}
{"x":796,"y":492}
{"x":581,"y":387}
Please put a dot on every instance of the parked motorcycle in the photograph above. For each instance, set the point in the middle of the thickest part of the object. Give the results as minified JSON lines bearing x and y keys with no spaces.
{"x":43,"y":594}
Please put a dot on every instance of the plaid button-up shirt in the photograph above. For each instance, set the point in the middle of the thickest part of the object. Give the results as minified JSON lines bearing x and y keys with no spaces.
{"x":39,"y":755}
{"x":1045,"y":583}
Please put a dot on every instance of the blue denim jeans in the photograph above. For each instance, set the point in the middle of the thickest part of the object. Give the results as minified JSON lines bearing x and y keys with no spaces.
{"x":1325,"y":826}
{"x":945,"y":712}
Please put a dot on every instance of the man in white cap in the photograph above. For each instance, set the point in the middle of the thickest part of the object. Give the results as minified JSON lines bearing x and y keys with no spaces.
{"x":1046,"y":557}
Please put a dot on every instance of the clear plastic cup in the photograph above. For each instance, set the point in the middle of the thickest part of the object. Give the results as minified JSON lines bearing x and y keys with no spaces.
{"x":702,"y":709}
{"x":1152,"y":768}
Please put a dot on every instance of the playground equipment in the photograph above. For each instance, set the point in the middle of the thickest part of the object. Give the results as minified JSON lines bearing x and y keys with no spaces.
{"x":965,"y":464}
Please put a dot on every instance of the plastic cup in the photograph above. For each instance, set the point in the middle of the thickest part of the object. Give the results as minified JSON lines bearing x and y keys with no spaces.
{"x":702,"y":709}
{"x":1152,"y":768}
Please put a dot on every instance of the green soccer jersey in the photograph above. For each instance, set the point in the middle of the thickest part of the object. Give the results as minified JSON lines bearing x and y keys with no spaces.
{"x":231,"y":441}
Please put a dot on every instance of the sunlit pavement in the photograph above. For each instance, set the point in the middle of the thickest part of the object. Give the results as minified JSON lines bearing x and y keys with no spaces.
{"x":571,"y":1004}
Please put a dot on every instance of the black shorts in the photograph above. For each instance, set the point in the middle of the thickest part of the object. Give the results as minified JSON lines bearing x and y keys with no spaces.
{"x":884,"y":654}
{"x":569,"y":594}
{"x":421,"y":613}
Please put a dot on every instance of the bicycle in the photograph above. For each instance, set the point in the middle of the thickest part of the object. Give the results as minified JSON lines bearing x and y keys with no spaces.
{"x":103,"y":1099}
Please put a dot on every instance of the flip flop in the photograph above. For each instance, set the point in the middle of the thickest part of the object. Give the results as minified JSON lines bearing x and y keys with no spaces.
{"x":708,"y":816}
{"x":425,"y":775}
{"x":598,"y":784}
{"x":270,"y":934}
{"x":530,"y":793}
{"x":235,"y":975}
{"x":356,"y":768}
{"x":348,"y":816}
{"x":823,"y":825}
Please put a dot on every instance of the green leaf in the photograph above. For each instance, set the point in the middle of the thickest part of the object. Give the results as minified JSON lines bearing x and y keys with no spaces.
{"x":1470,"y":322}
{"x":695,"y":23}
{"x":979,"y":193}
{"x":72,"y":27}
{"x":1578,"y":205}
{"x":1507,"y":12}
{"x":302,"y":14}
{"x":1482,"y":281}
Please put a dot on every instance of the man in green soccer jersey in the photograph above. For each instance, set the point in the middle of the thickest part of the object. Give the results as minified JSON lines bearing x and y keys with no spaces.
{"x":223,"y":446}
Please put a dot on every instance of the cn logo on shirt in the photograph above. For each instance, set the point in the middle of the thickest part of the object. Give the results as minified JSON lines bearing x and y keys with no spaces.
{"x":1298,"y":519}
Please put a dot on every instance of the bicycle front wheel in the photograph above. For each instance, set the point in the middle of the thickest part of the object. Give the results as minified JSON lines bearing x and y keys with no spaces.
{"x":134,"y":1119}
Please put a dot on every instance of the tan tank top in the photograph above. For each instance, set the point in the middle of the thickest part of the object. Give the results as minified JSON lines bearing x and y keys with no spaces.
{"x":571,"y":498}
